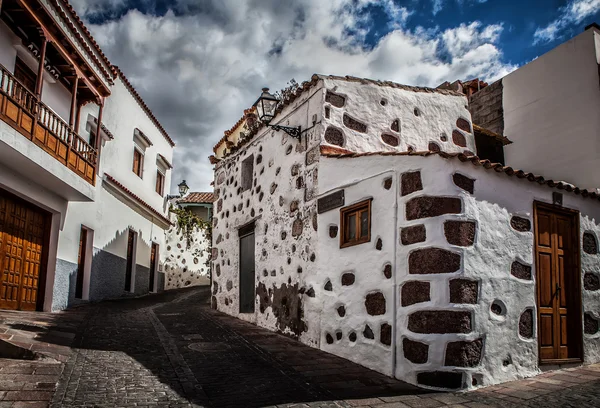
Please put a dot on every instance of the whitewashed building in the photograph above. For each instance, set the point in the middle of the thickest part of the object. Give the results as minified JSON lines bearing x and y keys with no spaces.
{"x":378,"y":235}
{"x":82,"y":210}
{"x":550,"y":106}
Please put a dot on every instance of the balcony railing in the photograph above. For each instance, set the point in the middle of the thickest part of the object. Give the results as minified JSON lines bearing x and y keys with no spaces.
{"x":37,"y":122}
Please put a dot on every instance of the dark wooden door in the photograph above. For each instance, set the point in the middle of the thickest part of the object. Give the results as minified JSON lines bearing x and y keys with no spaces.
{"x":81,"y":263}
{"x":153,"y":253}
{"x":129,"y":268}
{"x":558,"y":288}
{"x":247,"y":275}
{"x":24,"y":234}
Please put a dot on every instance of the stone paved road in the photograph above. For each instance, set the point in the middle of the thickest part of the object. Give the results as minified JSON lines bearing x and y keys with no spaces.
{"x":173,"y":350}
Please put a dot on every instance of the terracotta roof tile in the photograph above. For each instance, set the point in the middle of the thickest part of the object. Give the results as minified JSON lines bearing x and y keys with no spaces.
{"x":143,"y":136}
{"x":164,"y":159}
{"x":502,"y":139}
{"x":136,"y":198}
{"x":197,"y":197}
{"x":476,"y":161}
{"x":139,"y":99}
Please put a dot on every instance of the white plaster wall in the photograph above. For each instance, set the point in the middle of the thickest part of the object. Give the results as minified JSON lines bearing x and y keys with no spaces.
{"x":185,"y":265}
{"x":366,"y":263}
{"x":551,"y":110}
{"x":271,"y":216}
{"x":8,"y":52}
{"x":496,"y":198}
{"x":438,"y":114}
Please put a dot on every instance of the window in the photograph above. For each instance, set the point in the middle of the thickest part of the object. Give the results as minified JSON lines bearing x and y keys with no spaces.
{"x":138,"y":162}
{"x":247,"y":173}
{"x":25,"y":75}
{"x":160,"y":182}
{"x":355,"y":223}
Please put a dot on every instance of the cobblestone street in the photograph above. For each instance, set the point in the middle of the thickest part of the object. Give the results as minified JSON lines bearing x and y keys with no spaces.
{"x":173,"y":350}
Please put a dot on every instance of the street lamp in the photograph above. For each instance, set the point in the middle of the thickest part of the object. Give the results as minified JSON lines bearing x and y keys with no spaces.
{"x":266,"y":106}
{"x":183,"y":189}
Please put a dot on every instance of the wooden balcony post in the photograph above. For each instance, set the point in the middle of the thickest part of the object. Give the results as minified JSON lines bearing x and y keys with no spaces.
{"x":73,"y":101}
{"x":40,"y":74}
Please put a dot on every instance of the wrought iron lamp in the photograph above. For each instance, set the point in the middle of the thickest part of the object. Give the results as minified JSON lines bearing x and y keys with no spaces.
{"x":266,"y":105}
{"x":183,"y":189}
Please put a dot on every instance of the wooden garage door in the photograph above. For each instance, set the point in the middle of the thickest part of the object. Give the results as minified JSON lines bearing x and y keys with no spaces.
{"x":23,"y":250}
{"x":559,"y":292}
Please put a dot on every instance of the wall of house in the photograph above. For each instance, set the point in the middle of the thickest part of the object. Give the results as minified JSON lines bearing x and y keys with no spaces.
{"x":111,"y":216}
{"x":486,"y":107}
{"x":361,"y":117}
{"x":461,"y":284}
{"x":281,"y":203}
{"x":186,"y":263}
{"x":551,"y":108}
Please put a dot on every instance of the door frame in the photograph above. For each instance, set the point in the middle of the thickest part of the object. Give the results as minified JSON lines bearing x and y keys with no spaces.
{"x":575,"y":215}
{"x":245,"y":231}
{"x":152,"y":286}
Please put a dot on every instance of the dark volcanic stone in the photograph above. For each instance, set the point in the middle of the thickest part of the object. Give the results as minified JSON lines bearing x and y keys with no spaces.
{"x":354,"y":124}
{"x":463,"y":291}
{"x":375,"y":304}
{"x":328,"y":286}
{"x":352,"y":337}
{"x":463,"y":124}
{"x":433,"y":260}
{"x":341,"y":311}
{"x":460,"y":233}
{"x":415,"y":352}
{"x":310,"y":293}
{"x":348,"y":279}
{"x":396,"y":125}
{"x":387,"y":271}
{"x":336,"y":100}
{"x":333,"y":231}
{"x":415,"y":292}
{"x":410,"y":182}
{"x":385,"y":335}
{"x":368,"y":333}
{"x":464,"y":182}
{"x":430,"y":206}
{"x":590,"y":324}
{"x":441,"y":379}
{"x":379,"y":244}
{"x":434,"y":147}
{"x":440,"y":321}
{"x":412,"y":235}
{"x":329,"y":338}
{"x":297,"y":227}
{"x":591,"y":281}
{"x":464,"y":353}
{"x":338,"y":335}
{"x":390,"y":139}
{"x":590,"y":244}
{"x":520,"y":224}
{"x":459,"y":139}
{"x":526,"y":324}
{"x":520,"y":270}
{"x":334,"y":136}
{"x":387,"y":183}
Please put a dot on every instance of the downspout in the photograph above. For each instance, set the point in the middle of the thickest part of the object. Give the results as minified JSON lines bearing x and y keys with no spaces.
{"x":394,"y":275}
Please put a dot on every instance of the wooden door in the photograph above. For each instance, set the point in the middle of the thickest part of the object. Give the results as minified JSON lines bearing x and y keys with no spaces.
{"x":130,"y":260}
{"x":247,"y":268}
{"x":24,"y":233}
{"x":81,"y":263}
{"x":558,"y":287}
{"x":153,"y":253}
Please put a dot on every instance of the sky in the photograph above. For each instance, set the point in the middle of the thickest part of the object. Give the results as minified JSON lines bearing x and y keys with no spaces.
{"x":199,"y":63}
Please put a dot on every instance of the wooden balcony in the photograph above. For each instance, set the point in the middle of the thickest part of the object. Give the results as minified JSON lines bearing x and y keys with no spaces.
{"x":37,"y":122}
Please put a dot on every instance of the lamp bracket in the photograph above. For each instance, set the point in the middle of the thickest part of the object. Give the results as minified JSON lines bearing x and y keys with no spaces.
{"x":294,"y":132}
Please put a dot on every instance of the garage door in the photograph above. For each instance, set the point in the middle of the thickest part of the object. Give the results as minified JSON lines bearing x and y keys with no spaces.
{"x":23,"y":250}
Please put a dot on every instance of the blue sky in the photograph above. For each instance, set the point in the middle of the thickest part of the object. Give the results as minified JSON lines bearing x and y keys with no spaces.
{"x":199,"y":63}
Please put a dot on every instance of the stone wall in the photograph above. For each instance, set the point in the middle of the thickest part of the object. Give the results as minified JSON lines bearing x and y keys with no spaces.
{"x":462,"y":274}
{"x":486,"y":107}
{"x":280,"y":201}
{"x":366,"y":117}
{"x":185,"y":265}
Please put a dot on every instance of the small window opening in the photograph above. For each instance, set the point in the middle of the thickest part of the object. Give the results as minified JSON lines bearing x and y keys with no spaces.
{"x":247,"y":173}
{"x":356,"y":224}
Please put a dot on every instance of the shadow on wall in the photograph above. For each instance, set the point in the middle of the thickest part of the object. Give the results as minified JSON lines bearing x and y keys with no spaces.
{"x":107,"y":274}
{"x":186,"y":262}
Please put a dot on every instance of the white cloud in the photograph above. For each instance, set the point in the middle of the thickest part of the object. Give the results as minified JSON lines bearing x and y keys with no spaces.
{"x":199,"y":67}
{"x":573,"y":13}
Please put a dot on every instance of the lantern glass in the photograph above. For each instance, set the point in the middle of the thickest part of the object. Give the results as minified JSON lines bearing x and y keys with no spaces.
{"x":183,"y":188}
{"x":266,"y":106}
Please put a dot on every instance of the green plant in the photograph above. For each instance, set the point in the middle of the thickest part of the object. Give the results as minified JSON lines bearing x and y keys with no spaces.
{"x":188,"y":223}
